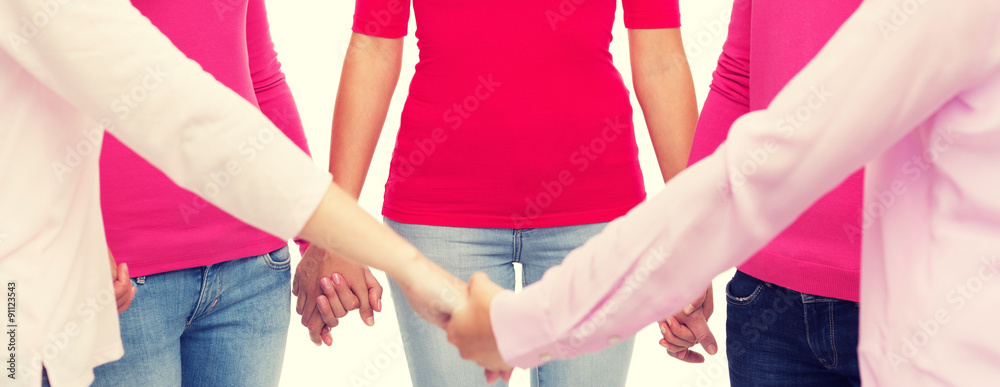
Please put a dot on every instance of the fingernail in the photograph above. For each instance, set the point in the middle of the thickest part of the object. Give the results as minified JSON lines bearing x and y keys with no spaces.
{"x":370,"y":321}
{"x":712,"y":349}
{"x":320,"y":344}
{"x":668,"y":322}
{"x":378,"y":305}
{"x":324,"y":282}
{"x":682,"y":354}
{"x":337,"y":278}
{"x":663,"y":328}
{"x":663,"y":343}
{"x":689,"y":309}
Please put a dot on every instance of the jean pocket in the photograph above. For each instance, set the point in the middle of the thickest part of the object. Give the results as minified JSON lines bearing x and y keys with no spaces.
{"x":743,"y":289}
{"x":279,"y":259}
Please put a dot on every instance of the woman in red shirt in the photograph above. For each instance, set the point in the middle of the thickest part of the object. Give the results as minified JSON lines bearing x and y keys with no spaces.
{"x":516,"y":145}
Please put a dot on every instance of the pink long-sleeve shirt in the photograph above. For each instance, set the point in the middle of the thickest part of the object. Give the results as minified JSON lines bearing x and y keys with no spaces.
{"x":153,"y":224}
{"x":769,"y":42}
{"x":909,"y":90}
{"x":61,"y":78}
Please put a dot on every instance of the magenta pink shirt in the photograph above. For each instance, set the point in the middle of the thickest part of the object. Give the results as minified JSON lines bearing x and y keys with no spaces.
{"x":516,"y":116}
{"x":820,"y":253}
{"x":151,"y":223}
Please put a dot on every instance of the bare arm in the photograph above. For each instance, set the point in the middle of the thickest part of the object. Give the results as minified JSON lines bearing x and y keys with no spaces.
{"x":665,"y":90}
{"x":370,"y":73}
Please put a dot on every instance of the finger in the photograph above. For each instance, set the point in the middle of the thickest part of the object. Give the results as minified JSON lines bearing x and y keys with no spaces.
{"x":374,"y":290}
{"x":694,"y":305}
{"x":308,"y":308}
{"x":687,"y":356}
{"x":300,"y":303}
{"x":699,"y":327}
{"x":365,"y":310}
{"x":677,"y":341}
{"x":344,"y":292}
{"x":491,"y":376}
{"x":314,"y":326}
{"x":331,"y":298}
{"x":127,"y":302}
{"x":295,"y":286}
{"x":326,"y":336}
{"x":709,"y":306}
{"x":679,"y":330}
{"x":123,"y":272}
{"x":672,"y":348}
{"x":325,"y":313}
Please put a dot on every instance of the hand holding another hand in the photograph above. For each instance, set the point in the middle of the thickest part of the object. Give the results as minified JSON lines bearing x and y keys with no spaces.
{"x":471,"y":331}
{"x":327,"y":287}
{"x":688,"y":328}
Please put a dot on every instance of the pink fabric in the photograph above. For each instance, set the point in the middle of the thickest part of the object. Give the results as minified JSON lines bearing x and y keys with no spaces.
{"x":910,"y":95}
{"x":516,"y":115}
{"x":820,"y":253}
{"x":151,"y":223}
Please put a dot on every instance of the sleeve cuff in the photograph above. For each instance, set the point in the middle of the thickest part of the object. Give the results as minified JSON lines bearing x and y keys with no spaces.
{"x":374,"y":28}
{"x":522,"y":330}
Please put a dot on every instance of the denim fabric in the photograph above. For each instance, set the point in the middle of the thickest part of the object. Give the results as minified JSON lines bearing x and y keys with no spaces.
{"x":779,"y":337}
{"x":433,"y":362}
{"x":218,"y":325}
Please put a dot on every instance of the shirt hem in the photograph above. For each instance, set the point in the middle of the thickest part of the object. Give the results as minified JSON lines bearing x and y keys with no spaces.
{"x":805,"y":277}
{"x":508,"y":222}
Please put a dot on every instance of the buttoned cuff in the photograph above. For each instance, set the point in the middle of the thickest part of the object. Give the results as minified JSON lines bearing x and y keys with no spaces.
{"x":522,"y":329}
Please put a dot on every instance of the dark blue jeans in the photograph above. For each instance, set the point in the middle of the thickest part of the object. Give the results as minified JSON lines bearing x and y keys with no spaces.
{"x":779,"y":337}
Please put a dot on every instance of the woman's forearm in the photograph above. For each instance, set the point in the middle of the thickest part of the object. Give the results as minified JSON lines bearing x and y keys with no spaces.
{"x":369,"y":77}
{"x":665,"y":90}
{"x":340,"y":226}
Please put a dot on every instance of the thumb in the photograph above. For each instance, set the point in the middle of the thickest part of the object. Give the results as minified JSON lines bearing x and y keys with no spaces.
{"x":697,"y":303}
{"x":122,"y":272}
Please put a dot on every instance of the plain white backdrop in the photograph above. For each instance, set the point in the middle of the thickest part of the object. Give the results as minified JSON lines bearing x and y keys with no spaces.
{"x":311,"y":38}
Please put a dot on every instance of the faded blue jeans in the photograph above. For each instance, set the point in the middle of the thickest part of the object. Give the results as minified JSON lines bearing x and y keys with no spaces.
{"x":462,"y":251}
{"x":776,"y":336}
{"x":218,"y":325}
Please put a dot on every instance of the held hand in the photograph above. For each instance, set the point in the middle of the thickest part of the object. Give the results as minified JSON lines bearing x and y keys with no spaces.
{"x":689,"y":327}
{"x":124,"y":291}
{"x":471,"y":332}
{"x":432,"y":292}
{"x":327,"y":287}
{"x":343,"y":294}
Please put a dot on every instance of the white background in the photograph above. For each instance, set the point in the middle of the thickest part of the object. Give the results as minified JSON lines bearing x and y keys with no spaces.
{"x":311,"y":37}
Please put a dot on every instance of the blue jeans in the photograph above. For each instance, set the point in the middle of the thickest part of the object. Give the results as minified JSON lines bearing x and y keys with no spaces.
{"x":462,"y":251}
{"x":218,"y":325}
{"x":779,"y":337}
